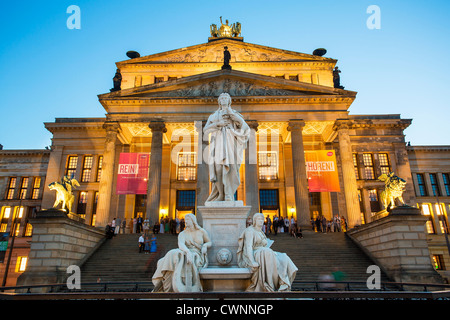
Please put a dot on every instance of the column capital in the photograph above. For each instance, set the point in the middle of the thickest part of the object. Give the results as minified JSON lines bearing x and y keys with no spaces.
{"x":253,"y":124}
{"x":199,"y":125}
{"x":111,"y":126}
{"x":295,"y":124}
{"x":342,"y":124}
{"x":157,"y":125}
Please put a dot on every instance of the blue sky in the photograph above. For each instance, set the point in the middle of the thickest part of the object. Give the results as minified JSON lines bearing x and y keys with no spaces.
{"x":48,"y":71}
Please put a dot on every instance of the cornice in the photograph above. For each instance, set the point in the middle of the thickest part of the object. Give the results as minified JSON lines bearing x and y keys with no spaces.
{"x":240,"y":100}
{"x":428,"y":148}
{"x":24,"y":153}
{"x":61,"y":126}
{"x":372,"y":124}
{"x":236,"y":64}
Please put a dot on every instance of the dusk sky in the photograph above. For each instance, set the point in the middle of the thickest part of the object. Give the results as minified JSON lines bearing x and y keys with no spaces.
{"x":49,"y":71}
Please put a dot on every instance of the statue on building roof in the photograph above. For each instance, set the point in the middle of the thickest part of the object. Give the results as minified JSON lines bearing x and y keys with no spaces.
{"x":117,"y":81}
{"x":337,"y":78}
{"x":225,"y":30}
{"x":226,"y":59}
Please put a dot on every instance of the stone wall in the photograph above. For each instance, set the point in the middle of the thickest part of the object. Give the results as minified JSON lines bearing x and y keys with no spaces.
{"x":398,"y":244}
{"x":57,"y":243}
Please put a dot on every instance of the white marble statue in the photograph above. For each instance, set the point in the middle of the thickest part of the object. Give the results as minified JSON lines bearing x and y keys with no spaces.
{"x":178,"y":270}
{"x":271,"y":270}
{"x":229,"y":136}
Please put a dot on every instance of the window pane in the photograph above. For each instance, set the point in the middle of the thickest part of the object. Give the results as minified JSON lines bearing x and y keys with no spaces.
{"x":434,"y":185}
{"x":99,"y":168}
{"x":87,"y":166}
{"x":36,"y":186}
{"x":368,"y":166}
{"x":355,"y":164}
{"x":268,"y":165}
{"x":268,"y":198}
{"x":71,"y":166}
{"x":186,"y":166}
{"x":421,"y":183}
{"x":446,"y":179}
{"x":185,"y":199}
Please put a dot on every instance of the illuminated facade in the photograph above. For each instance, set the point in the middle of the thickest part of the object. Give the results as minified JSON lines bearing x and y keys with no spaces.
{"x":290,"y":102}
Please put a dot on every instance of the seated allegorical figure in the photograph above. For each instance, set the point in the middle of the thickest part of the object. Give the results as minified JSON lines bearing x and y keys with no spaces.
{"x":271,"y":270}
{"x":178,"y":270}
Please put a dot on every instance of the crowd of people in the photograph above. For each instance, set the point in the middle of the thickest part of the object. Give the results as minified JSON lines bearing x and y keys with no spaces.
{"x":324,"y":225}
{"x":280,"y":225}
{"x":141,"y":225}
{"x":174,"y":226}
{"x":169,"y":225}
{"x":275,"y":225}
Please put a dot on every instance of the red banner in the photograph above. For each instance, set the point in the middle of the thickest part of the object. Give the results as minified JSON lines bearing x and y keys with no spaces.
{"x":132,"y":175}
{"x":322,"y":171}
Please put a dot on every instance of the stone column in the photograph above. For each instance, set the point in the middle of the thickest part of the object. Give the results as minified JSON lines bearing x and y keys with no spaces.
{"x":348,"y":174}
{"x":202,"y":189}
{"x":89,"y":207}
{"x":105,"y":186}
{"x":251,"y":170}
{"x":53,"y":174}
{"x":299,"y":170}
{"x":404,"y":171}
{"x":154,"y":175}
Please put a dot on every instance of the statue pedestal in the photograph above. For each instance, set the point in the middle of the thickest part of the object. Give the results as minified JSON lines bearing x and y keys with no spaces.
{"x":224,"y":221}
{"x":225,"y":279}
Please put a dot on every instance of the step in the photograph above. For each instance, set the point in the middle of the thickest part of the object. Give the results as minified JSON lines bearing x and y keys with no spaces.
{"x":315,"y":254}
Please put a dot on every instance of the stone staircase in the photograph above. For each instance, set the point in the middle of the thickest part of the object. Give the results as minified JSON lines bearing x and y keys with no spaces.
{"x":119,"y":260}
{"x":318,"y":254}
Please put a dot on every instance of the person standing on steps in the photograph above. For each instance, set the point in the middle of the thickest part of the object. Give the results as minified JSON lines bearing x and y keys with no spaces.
{"x":118,"y":225}
{"x":141,"y":243}
{"x":113,"y":225}
{"x":146,"y":245}
{"x":124,"y":225}
{"x":139,"y":222}
{"x":153,"y":245}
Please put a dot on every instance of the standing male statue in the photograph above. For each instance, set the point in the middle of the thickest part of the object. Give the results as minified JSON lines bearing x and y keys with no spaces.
{"x":226,"y":59}
{"x":229,"y":136}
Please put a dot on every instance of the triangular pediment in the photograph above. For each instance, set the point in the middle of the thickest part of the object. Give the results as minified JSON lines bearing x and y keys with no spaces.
{"x":236,"y":83}
{"x":213,"y":52}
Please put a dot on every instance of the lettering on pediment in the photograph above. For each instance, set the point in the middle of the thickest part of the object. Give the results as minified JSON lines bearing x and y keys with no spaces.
{"x":238,"y":54}
{"x":233,"y":87}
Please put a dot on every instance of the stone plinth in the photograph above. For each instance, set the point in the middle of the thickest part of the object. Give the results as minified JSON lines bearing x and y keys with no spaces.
{"x":222,"y":279}
{"x":57,"y":243}
{"x":224,"y":221}
{"x":398,"y":245}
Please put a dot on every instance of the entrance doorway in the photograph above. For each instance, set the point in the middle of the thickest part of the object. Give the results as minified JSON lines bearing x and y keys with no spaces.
{"x":140,"y":206}
{"x":185,"y":203}
{"x":269,"y":202}
{"x":315,"y":207}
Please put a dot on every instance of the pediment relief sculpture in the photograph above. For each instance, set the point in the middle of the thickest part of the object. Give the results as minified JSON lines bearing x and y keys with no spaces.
{"x":233,"y":87}
{"x":239,"y":54}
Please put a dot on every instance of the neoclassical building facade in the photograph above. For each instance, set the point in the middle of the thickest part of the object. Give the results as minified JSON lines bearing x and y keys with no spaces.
{"x":158,"y":106}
